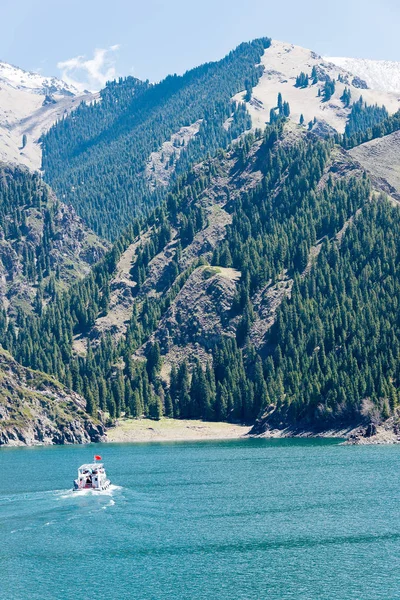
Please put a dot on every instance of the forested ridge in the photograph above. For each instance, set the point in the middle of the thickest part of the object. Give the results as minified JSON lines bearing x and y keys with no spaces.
{"x":333,"y":351}
{"x":44,"y":246}
{"x":278,"y":234}
{"x":367,"y":123}
{"x":95,"y":158}
{"x":297,"y":206}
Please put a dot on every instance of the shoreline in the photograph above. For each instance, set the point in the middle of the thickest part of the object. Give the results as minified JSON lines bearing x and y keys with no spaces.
{"x":360,"y":435}
{"x":188,"y":430}
{"x":276,"y":434}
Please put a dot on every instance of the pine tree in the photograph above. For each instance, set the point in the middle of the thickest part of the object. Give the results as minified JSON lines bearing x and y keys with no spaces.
{"x":155,"y":408}
{"x":280,"y":103}
{"x":168,"y":406}
{"x":314,"y":75}
{"x":153,"y":364}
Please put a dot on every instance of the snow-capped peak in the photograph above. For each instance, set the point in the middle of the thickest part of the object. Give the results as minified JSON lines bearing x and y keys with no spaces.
{"x":382,"y":75}
{"x":34,"y":82}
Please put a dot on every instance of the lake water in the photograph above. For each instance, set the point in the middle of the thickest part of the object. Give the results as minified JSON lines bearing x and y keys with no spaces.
{"x":247,"y":519}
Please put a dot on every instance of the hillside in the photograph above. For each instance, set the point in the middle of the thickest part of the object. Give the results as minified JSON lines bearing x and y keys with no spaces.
{"x":125,"y":150}
{"x":381,"y":158}
{"x":100,"y":159}
{"x":29,"y":105}
{"x":283,"y":63}
{"x":44,"y":246}
{"x":188,"y":315}
{"x":36,"y":409}
{"x":253,"y":276}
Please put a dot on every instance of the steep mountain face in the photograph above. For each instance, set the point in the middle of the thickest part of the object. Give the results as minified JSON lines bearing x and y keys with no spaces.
{"x":29,"y":105}
{"x":283,"y":63}
{"x":44,"y":246}
{"x":36,"y":409}
{"x":44,"y":249}
{"x":381,"y":75}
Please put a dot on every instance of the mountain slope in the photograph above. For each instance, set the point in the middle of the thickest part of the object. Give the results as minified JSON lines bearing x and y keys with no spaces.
{"x":44,"y":246}
{"x":125,"y":150}
{"x":381,"y":158}
{"x":381,"y":75}
{"x":282,"y":64}
{"x":29,"y":105}
{"x":98,"y":160}
{"x":336,"y":339}
{"x":202,"y":341}
{"x":36,"y":409}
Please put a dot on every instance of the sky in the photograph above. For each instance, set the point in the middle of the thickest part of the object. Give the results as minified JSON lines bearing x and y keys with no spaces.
{"x":88,"y":42}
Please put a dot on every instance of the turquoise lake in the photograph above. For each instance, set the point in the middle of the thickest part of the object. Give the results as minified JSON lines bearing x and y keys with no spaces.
{"x":279,"y":519}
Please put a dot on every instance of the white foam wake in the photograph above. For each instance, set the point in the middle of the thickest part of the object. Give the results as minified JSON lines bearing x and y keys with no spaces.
{"x":79,"y":493}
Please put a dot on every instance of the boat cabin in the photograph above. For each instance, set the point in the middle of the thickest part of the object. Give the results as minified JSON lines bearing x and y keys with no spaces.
{"x":91,"y":476}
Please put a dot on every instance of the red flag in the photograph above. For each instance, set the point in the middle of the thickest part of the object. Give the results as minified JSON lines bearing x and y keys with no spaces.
{"x":97,"y":457}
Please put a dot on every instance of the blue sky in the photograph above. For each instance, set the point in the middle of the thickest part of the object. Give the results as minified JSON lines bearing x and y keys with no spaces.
{"x":152,"y":38}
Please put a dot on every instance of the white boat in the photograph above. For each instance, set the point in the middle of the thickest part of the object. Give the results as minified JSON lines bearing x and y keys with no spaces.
{"x":92,"y":477}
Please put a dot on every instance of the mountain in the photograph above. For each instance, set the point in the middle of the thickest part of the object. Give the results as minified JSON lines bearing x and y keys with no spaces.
{"x":123,"y":152}
{"x":381,"y":75}
{"x":253,"y":276}
{"x":34,"y":82}
{"x":233,"y":297}
{"x":29,"y":105}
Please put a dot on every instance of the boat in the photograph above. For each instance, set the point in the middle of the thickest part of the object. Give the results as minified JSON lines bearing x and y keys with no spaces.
{"x":92,"y":476}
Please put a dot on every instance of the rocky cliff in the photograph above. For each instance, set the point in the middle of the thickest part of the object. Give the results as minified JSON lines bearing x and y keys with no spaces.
{"x":36,"y":409}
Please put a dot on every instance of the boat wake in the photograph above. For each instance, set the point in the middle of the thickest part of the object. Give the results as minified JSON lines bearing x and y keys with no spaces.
{"x":89,"y":492}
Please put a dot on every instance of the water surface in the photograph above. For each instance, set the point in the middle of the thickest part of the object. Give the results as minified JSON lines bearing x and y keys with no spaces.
{"x":277,"y":519}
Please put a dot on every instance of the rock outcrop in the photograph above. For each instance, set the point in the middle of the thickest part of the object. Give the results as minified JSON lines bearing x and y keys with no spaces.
{"x":35,"y":409}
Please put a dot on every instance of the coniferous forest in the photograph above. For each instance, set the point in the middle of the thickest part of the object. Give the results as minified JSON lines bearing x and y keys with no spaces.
{"x":296,"y":242}
{"x":96,"y":160}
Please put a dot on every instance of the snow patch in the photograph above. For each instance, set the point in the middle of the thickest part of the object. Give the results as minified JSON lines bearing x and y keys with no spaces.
{"x":382,"y":75}
{"x":29,"y":105}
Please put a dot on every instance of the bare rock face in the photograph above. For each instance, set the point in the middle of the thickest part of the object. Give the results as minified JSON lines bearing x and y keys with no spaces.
{"x":35,"y":409}
{"x":199,"y":315}
{"x":75,"y":433}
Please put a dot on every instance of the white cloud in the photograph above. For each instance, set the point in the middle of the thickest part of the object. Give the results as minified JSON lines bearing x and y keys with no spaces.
{"x":90,"y":74}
